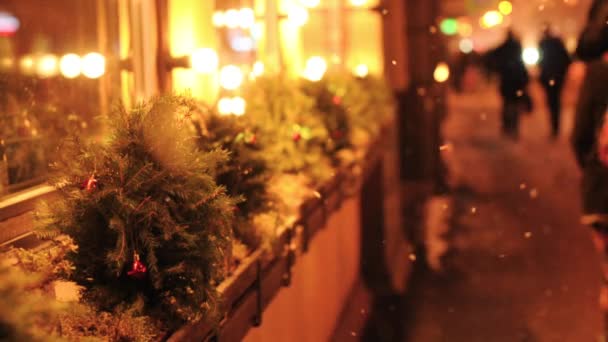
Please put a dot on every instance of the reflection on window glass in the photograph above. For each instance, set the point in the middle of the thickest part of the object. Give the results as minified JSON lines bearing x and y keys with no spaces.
{"x":55,"y":68}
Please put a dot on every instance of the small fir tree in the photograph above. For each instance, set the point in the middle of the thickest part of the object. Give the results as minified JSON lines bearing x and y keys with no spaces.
{"x":245,"y":175}
{"x":148,"y":218}
{"x":291,"y":135}
{"x":330,"y":108}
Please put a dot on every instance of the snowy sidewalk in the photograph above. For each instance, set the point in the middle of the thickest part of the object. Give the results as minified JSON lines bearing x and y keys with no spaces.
{"x":520,"y":267}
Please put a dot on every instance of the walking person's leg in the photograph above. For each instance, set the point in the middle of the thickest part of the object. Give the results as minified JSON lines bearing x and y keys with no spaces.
{"x":553,"y":97}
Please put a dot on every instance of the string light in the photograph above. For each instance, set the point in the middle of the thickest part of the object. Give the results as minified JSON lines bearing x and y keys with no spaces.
{"x":491,"y":19}
{"x":315,"y":68}
{"x":231,"y":77}
{"x":466,"y":45}
{"x":358,"y":3}
{"x":310,"y":3}
{"x":238,"y":105}
{"x":361,"y":70}
{"x":46,"y":65}
{"x":530,"y":55}
{"x":246,"y":18}
{"x":232,"y":18}
{"x":298,"y":15}
{"x":258,"y":69}
{"x":235,"y":105}
{"x":442,"y":72}
{"x":26,"y":64}
{"x":93,"y":65}
{"x":70,"y":65}
{"x":204,"y":60}
{"x":505,"y":7}
{"x":219,"y":19}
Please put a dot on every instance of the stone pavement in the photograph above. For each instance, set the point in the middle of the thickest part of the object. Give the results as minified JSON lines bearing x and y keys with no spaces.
{"x":519,"y":267}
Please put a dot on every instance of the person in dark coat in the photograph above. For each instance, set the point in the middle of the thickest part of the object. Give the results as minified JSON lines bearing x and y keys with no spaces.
{"x":588,"y":133}
{"x":553,"y":65}
{"x":506,"y":60}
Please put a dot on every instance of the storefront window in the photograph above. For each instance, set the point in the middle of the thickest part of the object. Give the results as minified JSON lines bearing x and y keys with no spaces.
{"x":59,"y":63}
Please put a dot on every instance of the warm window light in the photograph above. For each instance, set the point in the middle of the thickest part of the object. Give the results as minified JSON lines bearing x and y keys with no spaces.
{"x":26,"y":64}
{"x":298,"y":15}
{"x":93,"y":65}
{"x":246,"y":18}
{"x":258,"y":69}
{"x":315,"y":68}
{"x":465,"y":28}
{"x":466,"y":45}
{"x":235,"y":105}
{"x":70,"y":65}
{"x":47,"y":65}
{"x":231,"y":77}
{"x":310,"y":3}
{"x":361,"y":70}
{"x":219,"y":19}
{"x":358,"y":2}
{"x":224,"y":106}
{"x":530,"y":55}
{"x":204,"y":61}
{"x":491,"y":19}
{"x":449,"y":26}
{"x":6,"y":63}
{"x":238,"y":105}
{"x":505,"y":7}
{"x":442,"y":72}
{"x":232,"y":18}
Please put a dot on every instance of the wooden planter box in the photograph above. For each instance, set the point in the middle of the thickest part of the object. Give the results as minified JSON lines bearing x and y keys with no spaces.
{"x":299,"y":294}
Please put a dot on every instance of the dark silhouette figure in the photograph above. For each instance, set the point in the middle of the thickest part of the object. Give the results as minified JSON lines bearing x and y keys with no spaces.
{"x":506,"y":61}
{"x":589,"y":137}
{"x":593,"y":42}
{"x":553,"y":68}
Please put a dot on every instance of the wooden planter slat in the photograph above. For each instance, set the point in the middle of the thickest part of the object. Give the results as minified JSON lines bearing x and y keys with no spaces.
{"x":244,"y":294}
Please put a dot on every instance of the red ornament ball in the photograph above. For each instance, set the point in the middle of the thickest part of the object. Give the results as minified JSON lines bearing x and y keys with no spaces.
{"x":138,"y":269}
{"x":90,"y":184}
{"x":297,"y":137}
{"x":337,"y":100}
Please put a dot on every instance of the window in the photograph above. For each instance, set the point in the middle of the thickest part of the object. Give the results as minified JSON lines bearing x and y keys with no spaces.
{"x":59,"y":70}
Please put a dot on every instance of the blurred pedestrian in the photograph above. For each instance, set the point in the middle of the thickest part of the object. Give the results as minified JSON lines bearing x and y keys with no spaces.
{"x":553,"y":65}
{"x":506,"y":60}
{"x":590,"y":135}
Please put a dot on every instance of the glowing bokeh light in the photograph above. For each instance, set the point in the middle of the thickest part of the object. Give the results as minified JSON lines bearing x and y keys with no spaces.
{"x":9,"y":24}
{"x":361,"y":70}
{"x":238,"y":106}
{"x":530,"y":56}
{"x":204,"y":60}
{"x":27,"y":64}
{"x":47,"y":65}
{"x":358,"y":3}
{"x":6,"y":63}
{"x":465,"y":28}
{"x":219,"y":19}
{"x":231,"y":77}
{"x":449,"y":26}
{"x":93,"y":65}
{"x":315,"y":68}
{"x":298,"y":15}
{"x":246,"y":18}
{"x":442,"y":72}
{"x":466,"y":45}
{"x":505,"y":7}
{"x":70,"y":65}
{"x":258,"y":69}
{"x":310,"y":3}
{"x":491,"y":19}
{"x":224,"y":106}
{"x":232,"y":18}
